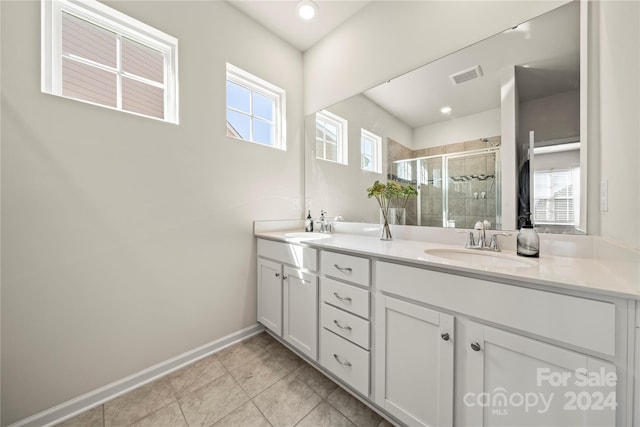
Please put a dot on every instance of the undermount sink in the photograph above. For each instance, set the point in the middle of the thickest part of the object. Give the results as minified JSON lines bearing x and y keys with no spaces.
{"x":481,"y":258}
{"x":306,"y":236}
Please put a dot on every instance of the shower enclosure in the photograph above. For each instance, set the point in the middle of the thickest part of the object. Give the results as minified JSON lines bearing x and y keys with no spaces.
{"x":454,"y":190}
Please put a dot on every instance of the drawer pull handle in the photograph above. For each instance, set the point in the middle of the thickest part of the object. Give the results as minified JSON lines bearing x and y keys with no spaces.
{"x":343,"y":299}
{"x":343,"y":269}
{"x":475,"y":346}
{"x":445,"y":336}
{"x":344,"y":328}
{"x":340,"y":361}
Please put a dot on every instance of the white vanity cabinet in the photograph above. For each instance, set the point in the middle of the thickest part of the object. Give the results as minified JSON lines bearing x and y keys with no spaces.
{"x":288,"y":293}
{"x":414,"y":362}
{"x":300,"y":301}
{"x":510,"y":367}
{"x":513,"y":380}
{"x":344,"y":316}
{"x":440,"y":347}
{"x":270,"y":295}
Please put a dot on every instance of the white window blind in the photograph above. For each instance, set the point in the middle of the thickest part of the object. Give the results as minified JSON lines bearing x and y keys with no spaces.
{"x":95,"y":54}
{"x":555,"y":199}
{"x":331,"y":137}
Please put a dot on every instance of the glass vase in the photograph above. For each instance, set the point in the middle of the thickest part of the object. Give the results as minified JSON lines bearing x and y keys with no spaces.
{"x":386,"y":228}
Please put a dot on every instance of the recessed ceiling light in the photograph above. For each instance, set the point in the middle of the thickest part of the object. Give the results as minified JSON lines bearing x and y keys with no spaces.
{"x":307,"y":9}
{"x":445,"y":110}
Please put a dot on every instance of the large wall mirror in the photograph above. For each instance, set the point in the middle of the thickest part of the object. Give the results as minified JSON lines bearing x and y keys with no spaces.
{"x":490,"y":132}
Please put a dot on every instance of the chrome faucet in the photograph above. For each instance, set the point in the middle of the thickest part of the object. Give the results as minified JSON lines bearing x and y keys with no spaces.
{"x":327,"y":225}
{"x":482,"y":227}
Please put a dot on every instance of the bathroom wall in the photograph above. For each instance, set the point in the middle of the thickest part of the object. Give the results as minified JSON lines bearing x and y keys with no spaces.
{"x":619,"y":106}
{"x":552,"y":117}
{"x":127,"y":241}
{"x":456,"y":129}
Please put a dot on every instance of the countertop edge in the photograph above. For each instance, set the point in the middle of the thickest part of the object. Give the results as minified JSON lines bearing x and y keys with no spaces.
{"x":470,"y":271}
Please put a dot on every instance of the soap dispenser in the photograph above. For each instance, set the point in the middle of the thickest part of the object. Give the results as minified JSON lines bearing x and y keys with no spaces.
{"x":528,"y":239}
{"x":308,"y":224}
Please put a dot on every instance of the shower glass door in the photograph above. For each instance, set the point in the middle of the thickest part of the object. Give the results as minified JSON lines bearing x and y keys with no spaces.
{"x":471,"y":189}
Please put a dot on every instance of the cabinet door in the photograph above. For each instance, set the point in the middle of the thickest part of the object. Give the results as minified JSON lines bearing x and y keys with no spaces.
{"x":270,"y":295}
{"x":518,"y":381}
{"x":301,"y":311}
{"x":414,"y":362}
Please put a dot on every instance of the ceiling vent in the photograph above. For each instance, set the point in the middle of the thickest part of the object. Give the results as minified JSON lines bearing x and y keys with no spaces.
{"x":466,"y":75}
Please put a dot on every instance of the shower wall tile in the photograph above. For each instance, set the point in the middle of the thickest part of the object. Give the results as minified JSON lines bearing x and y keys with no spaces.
{"x":491,"y":208}
{"x":435,"y":151}
{"x":475,"y":165}
{"x":476,"y":208}
{"x":476,"y":144}
{"x":434,"y":206}
{"x":454,"y":148}
{"x":491,"y":164}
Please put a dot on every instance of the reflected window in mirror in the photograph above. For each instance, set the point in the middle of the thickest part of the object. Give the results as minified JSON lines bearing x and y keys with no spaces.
{"x":370,"y":151}
{"x":555,"y":197}
{"x":331,"y":137}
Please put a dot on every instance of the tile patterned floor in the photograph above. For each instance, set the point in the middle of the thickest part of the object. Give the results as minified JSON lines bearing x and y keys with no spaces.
{"x":257,"y":382}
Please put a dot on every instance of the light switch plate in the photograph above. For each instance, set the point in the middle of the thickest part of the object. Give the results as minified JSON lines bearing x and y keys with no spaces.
{"x":604,"y":195}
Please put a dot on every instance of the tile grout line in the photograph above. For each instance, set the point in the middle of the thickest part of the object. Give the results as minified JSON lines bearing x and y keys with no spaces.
{"x":312,"y":409}
{"x":243,"y":390}
{"x":184,"y":417}
{"x":261,"y":413}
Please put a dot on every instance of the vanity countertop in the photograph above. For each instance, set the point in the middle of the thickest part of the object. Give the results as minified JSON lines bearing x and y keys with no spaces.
{"x":552,"y":272}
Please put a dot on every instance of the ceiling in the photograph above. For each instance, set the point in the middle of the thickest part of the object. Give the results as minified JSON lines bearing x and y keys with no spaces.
{"x":545,"y":49}
{"x":280,"y":18}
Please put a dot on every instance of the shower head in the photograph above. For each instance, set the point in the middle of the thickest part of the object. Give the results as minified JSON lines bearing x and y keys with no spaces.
{"x":490,"y":143}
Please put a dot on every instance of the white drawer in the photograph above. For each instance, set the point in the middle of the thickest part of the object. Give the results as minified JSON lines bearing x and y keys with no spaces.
{"x":347,"y":361}
{"x":578,"y":321}
{"x":345,"y":267}
{"x":346,"y":297}
{"x":298,"y":256}
{"x":346,"y":325}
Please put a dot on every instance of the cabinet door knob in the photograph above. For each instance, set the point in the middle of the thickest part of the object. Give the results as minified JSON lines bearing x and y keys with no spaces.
{"x":445,"y":336}
{"x":277,"y":274}
{"x":475,"y":346}
{"x":340,"y":361}
{"x":285,"y":277}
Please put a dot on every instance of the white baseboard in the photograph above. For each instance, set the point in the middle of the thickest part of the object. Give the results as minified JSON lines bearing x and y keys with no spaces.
{"x":73,"y":407}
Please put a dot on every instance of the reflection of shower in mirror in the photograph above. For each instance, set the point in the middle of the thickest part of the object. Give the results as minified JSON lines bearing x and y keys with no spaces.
{"x":465,"y":195}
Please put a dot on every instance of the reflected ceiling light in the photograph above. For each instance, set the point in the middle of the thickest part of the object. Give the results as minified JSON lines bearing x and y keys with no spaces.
{"x":307,"y":9}
{"x":445,"y":110}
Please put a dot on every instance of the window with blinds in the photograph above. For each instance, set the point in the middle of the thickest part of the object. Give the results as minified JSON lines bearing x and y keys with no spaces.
{"x":95,"y":54}
{"x":555,"y":197}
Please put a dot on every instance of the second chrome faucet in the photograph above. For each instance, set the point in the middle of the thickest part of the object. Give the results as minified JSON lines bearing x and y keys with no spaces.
{"x":481,"y":241}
